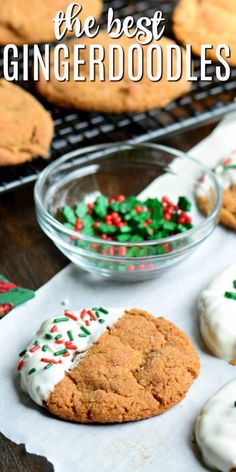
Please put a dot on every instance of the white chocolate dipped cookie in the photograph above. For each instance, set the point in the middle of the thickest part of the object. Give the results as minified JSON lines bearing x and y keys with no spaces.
{"x":108,"y":365}
{"x":215,"y":430}
{"x":225,"y":172}
{"x":217,"y":311}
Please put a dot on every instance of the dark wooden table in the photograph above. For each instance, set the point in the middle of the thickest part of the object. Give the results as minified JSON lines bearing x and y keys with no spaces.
{"x":29,"y":259}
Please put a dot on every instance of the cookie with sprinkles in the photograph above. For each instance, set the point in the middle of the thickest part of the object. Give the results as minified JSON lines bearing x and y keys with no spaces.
{"x":108,"y":365}
{"x":225,"y":172}
{"x":217,"y":309}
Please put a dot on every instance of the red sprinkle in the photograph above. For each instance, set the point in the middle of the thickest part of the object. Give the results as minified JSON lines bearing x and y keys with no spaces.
{"x":53,"y":329}
{"x":120,"y":198}
{"x":70,"y":315}
{"x":48,"y":361}
{"x":34,"y":348}
{"x":131,"y":268}
{"x":92,"y":315}
{"x":66,"y":354}
{"x":122,"y":251}
{"x":78,"y":225}
{"x":83,"y":314}
{"x":167,"y":247}
{"x":20,"y":365}
{"x":70,"y":346}
{"x":59,"y":341}
{"x":96,"y":224}
{"x":138,"y":209}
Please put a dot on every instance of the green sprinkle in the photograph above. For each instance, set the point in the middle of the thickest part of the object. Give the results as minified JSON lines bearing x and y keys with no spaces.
{"x":59,"y":353}
{"x":23,"y":353}
{"x":107,"y":229}
{"x":81,"y":210}
{"x":97,"y":314}
{"x":85,"y":330}
{"x":68,"y":214}
{"x":48,"y":336}
{"x":235,"y":404}
{"x":82,"y":335}
{"x":32,"y":371}
{"x":103,"y":310}
{"x":44,"y":348}
{"x":36,"y":343}
{"x":70,"y":335}
{"x":184,"y":204}
{"x":126,"y":229}
{"x":100,"y":206}
{"x":234,"y":283}
{"x":60,"y":320}
{"x":48,"y":366}
{"x":59,"y":336}
{"x":230,"y":167}
{"x":123,"y":238}
{"x":230,"y":295}
{"x":101,"y":321}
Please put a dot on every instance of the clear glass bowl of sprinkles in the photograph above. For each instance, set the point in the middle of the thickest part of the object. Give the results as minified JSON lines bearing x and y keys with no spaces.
{"x":126,"y":211}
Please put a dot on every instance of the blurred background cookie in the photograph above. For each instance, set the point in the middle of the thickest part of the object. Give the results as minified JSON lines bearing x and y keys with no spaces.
{"x":206,"y":22}
{"x":26,"y":128}
{"x":225,"y":172}
{"x":31,"y":21}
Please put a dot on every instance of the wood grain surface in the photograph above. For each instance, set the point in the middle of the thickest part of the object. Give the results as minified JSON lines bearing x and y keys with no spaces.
{"x":29,"y":259}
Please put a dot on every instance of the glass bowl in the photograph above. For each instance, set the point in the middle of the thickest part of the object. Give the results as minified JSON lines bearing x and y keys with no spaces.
{"x":145,"y":170}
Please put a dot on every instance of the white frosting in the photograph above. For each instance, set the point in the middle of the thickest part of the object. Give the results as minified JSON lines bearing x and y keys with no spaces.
{"x":225,"y":174}
{"x":218,"y":316}
{"x":41,"y":382}
{"x":216,"y":429}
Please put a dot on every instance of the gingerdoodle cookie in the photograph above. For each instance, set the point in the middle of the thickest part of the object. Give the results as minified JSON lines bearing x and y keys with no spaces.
{"x":217,"y":308}
{"x":198,"y":22}
{"x":108,"y":365}
{"x":226,"y":174}
{"x":215,"y":430}
{"x":26,"y":128}
{"x":31,"y":21}
{"x":110,"y":96}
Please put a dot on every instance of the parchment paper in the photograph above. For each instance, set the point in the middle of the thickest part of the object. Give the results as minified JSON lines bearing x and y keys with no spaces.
{"x":160,"y":444}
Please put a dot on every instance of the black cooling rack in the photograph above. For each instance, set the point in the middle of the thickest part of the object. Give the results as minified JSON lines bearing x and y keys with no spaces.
{"x":207,"y":101}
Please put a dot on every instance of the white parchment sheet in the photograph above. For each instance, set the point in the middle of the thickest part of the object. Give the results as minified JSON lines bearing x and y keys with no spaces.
{"x":160,"y":444}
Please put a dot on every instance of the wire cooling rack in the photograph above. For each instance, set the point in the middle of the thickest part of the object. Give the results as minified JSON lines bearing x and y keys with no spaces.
{"x":206,"y":101}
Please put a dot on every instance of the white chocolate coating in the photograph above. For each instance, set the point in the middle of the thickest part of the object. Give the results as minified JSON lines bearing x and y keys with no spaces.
{"x":215,"y":429}
{"x":72,"y":339}
{"x":218,"y":315}
{"x":225,"y":173}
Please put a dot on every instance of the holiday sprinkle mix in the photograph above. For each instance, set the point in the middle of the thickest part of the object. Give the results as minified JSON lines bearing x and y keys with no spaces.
{"x":128,"y":219}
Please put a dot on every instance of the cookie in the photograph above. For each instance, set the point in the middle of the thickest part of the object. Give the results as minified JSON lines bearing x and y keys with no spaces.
{"x":28,"y":22}
{"x":198,"y":22}
{"x":109,"y":96}
{"x":215,"y":430}
{"x":217,"y":315}
{"x":108,"y":365}
{"x":26,"y":128}
{"x":226,"y":175}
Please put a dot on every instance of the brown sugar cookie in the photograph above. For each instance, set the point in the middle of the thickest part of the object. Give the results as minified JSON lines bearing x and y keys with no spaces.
{"x":198,"y":22}
{"x":225,"y":172}
{"x":31,"y":21}
{"x":228,"y":210}
{"x":110,"y":96}
{"x":26,"y":128}
{"x":112,"y":365}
